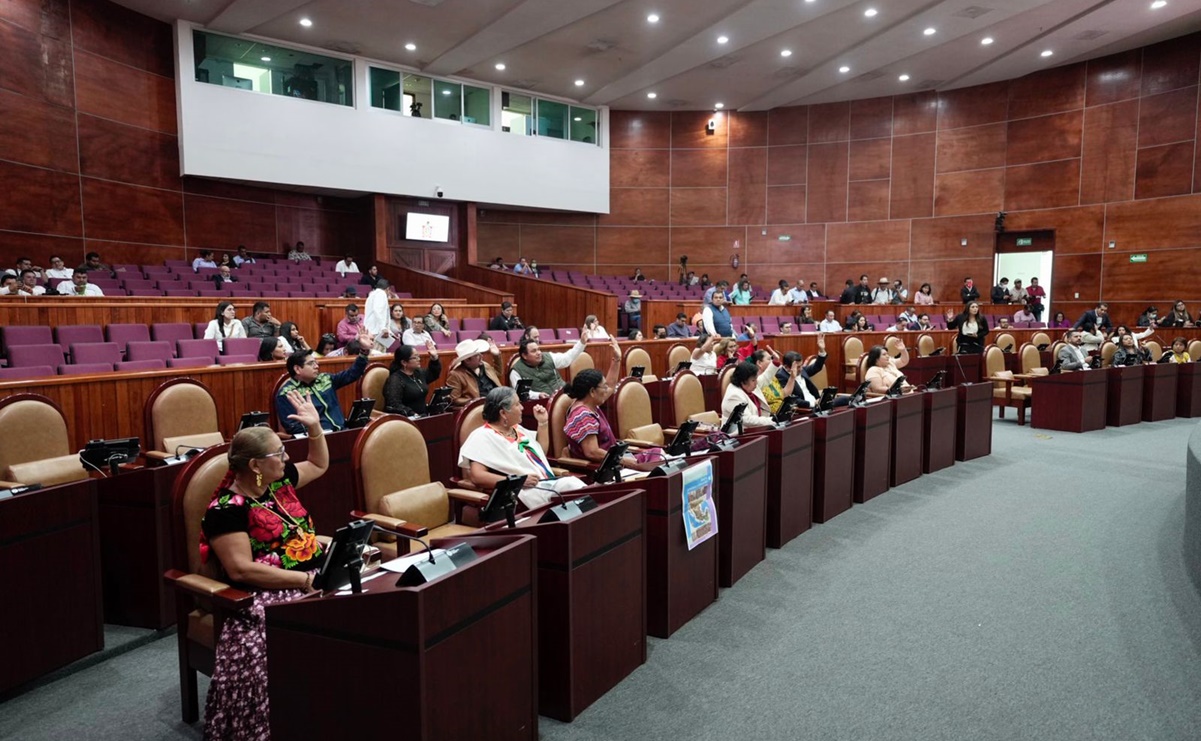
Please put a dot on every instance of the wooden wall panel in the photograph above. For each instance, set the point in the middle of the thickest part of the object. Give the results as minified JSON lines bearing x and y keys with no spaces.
{"x":1109,"y":151}
{"x":637,"y":207}
{"x":748,"y":185}
{"x":219,"y":224}
{"x":788,"y":125}
{"x":1164,"y":171}
{"x":786,"y":204}
{"x":639,"y":168}
{"x":547,"y":243}
{"x":635,"y":246}
{"x":787,"y":165}
{"x":827,"y":192}
{"x":973,"y":106}
{"x":946,"y":276}
{"x":499,"y":240}
{"x":940,"y":239}
{"x":1114,"y":78}
{"x":972,"y":192}
{"x":1078,"y":274}
{"x":875,"y":241}
{"x":1168,"y":117}
{"x":805,"y":244}
{"x":123,"y":35}
{"x":1171,"y":64}
{"x":705,"y":245}
{"x":114,"y":151}
{"x":1046,"y":138}
{"x":1166,"y":276}
{"x":46,"y":18}
{"x":639,"y":130}
{"x":871,"y":159}
{"x":1049,"y":91}
{"x":871,"y":118}
{"x":40,"y":201}
{"x":131,"y":213}
{"x":111,"y":90}
{"x":1163,"y":223}
{"x":748,"y":129}
{"x":972,"y":148}
{"x":829,"y":122}
{"x":688,"y":130}
{"x":1045,"y":185}
{"x":867,"y":200}
{"x":912,"y":193}
{"x":1076,"y":229}
{"x":916,"y":113}
{"x":698,"y":168}
{"x":698,"y":206}
{"x":547,"y":303}
{"x":34,"y":132}
{"x":36,"y":65}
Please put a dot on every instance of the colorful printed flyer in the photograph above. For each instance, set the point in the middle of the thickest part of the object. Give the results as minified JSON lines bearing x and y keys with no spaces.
{"x":700,"y":514}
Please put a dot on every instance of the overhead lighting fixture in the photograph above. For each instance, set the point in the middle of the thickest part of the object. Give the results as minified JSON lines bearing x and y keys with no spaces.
{"x":986,"y":40}
{"x":929,"y":31}
{"x":870,"y":12}
{"x":579,"y":83}
{"x":1158,"y":4}
{"x":411,"y":46}
{"x":723,"y":39}
{"x":652,"y":18}
{"x":577,"y":118}
{"x":903,"y":78}
{"x":719,"y":106}
{"x":844,"y":69}
{"x":1046,"y":53}
{"x":652,"y":96}
{"x":500,"y":66}
{"x":265,"y":59}
{"x":446,"y":92}
{"x":305,"y":22}
{"x":786,"y":52}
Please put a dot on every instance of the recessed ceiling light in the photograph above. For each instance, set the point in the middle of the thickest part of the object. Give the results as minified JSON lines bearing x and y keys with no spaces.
{"x":929,"y":31}
{"x":719,"y":106}
{"x":1046,"y":53}
{"x":723,"y":39}
{"x":870,"y":12}
{"x":844,"y":69}
{"x":265,"y":59}
{"x":500,"y":66}
{"x":446,"y":92}
{"x":652,"y":18}
{"x":411,"y":46}
{"x":652,"y":96}
{"x":986,"y":40}
{"x":577,"y":118}
{"x":1158,"y":4}
{"x":305,"y":22}
{"x":903,"y":78}
{"x":579,"y":83}
{"x":786,"y":52}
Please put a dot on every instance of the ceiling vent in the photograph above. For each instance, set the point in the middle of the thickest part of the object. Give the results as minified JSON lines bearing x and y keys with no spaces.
{"x":929,"y":84}
{"x":972,"y":11}
{"x":344,"y":47}
{"x":724,"y":62}
{"x":1089,"y":35}
{"x":788,"y":73}
{"x":869,"y":76}
{"x":601,"y":45}
{"x":428,"y":3}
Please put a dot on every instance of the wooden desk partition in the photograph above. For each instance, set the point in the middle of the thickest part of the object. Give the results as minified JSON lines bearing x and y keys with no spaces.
{"x":973,"y":422}
{"x":741,"y":496}
{"x":789,"y":481}
{"x":1125,"y":395}
{"x":833,"y":464}
{"x":873,"y":450}
{"x":1159,"y":391}
{"x":1074,"y":401}
{"x":908,"y":441}
{"x":1188,"y":390}
{"x":938,"y":429}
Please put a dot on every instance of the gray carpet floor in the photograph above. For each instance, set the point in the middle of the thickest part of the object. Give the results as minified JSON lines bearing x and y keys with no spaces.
{"x":1039,"y":593}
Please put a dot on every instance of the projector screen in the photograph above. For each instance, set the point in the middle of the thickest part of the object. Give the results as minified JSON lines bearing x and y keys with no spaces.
{"x":427,"y":227}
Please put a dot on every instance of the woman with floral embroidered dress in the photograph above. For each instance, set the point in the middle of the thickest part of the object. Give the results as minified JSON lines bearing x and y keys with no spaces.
{"x":264,"y":542}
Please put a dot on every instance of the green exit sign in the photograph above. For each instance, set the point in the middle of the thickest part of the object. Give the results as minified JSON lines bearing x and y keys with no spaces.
{"x":1141,"y":257}
{"x":1025,"y":241}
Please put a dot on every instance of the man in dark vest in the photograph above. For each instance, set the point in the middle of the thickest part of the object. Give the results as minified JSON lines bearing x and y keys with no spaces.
{"x":541,"y":369}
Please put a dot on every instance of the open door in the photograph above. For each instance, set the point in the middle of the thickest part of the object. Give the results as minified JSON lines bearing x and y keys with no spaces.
{"x":1025,"y":255}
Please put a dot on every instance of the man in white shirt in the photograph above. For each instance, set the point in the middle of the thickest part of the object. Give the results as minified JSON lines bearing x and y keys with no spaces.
{"x":542,"y":368}
{"x":243,"y":258}
{"x":375,"y":317}
{"x":23,"y":264}
{"x":346,"y":265}
{"x":416,"y":335}
{"x":798,"y":294}
{"x":780,"y":296}
{"x":830,"y":323}
{"x":79,"y":285}
{"x":883,"y":293}
{"x":204,"y":261}
{"x":58,"y":269}
{"x":28,"y":285}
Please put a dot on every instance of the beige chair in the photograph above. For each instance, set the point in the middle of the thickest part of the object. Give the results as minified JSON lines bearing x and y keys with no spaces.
{"x":638,"y":356}
{"x":1155,"y":349}
{"x":1107,"y":352}
{"x":678,"y":354}
{"x":925,"y":345}
{"x":557,"y":410}
{"x":688,"y":400}
{"x":635,"y":423}
{"x":1055,"y":347}
{"x":723,"y":379}
{"x":471,"y":418}
{"x":1006,"y":343}
{"x":1006,"y":392}
{"x":34,"y":445}
{"x":181,"y":413}
{"x":1040,"y":338}
{"x":1194,"y":350}
{"x":583,"y":362}
{"x":1032,"y":364}
{"x":852,"y":348}
{"x":371,"y":386}
{"x":821,"y":379}
{"x":393,"y":484}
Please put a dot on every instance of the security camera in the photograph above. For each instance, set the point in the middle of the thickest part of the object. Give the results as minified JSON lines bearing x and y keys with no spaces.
{"x":438,"y":190}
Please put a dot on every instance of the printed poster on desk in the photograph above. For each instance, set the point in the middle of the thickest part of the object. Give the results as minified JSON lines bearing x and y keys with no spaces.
{"x":700,"y":514}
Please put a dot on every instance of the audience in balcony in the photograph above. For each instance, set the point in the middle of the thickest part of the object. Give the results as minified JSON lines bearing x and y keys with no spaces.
{"x":346,"y":265}
{"x":715,"y":317}
{"x":815,"y":293}
{"x":79,"y":285}
{"x":92,"y":263}
{"x":26,"y":285}
{"x":721,"y":287}
{"x":298,"y":255}
{"x":899,"y":288}
{"x":972,"y":327}
{"x":1003,"y":323}
{"x":797,"y":294}
{"x":884,"y":293}
{"x":271,"y":350}
{"x":922,"y":324}
{"x":291,"y":333}
{"x":541,"y":369}
{"x":497,"y":264}
{"x":679,"y":328}
{"x":260,"y":323}
{"x":968,"y":292}
{"x":226,"y":261}
{"x":8,"y":284}
{"x":376,"y":316}
{"x":859,"y":323}
{"x":224,"y":324}
{"x":1148,"y":318}
{"x":471,"y":376}
{"x":243,"y":257}
{"x":924,"y":295}
{"x":507,"y":319}
{"x":415,"y":335}
{"x":781,"y":296}
{"x":830,"y":323}
{"x":437,"y":321}
{"x":1177,"y":317}
{"x":58,"y":269}
{"x":408,"y":383}
{"x":633,"y":308}
{"x":638,"y":277}
{"x":522,"y":267}
{"x":327,"y":345}
{"x":23,"y":264}
{"x":704,"y":281}
{"x":349,"y":326}
{"x":223,"y":276}
{"x":595,"y":330}
{"x":1034,"y":299}
{"x":806,"y":316}
{"x":205,"y":260}
{"x":397,"y":321}
{"x":1059,"y":321}
{"x":1023,"y":314}
{"x":1000,"y":293}
{"x":370,"y":277}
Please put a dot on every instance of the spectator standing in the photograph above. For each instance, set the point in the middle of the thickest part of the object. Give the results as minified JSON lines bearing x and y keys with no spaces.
{"x":1034,"y":299}
{"x":968,"y":292}
{"x":1000,"y":293}
{"x":375,"y":317}
{"x":863,"y":292}
{"x":716,"y":317}
{"x":899,"y":288}
{"x":633,"y":308}
{"x":884,"y":294}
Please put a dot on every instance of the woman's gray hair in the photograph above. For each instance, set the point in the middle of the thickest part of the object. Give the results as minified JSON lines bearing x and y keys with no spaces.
{"x":497,"y":399}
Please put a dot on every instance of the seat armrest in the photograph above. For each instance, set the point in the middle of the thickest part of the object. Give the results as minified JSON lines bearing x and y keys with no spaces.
{"x":201,"y":586}
{"x":392,"y":523}
{"x":642,"y":443}
{"x":576,"y":465}
{"x":9,"y":484}
{"x":466,"y":496}
{"x":156,"y":455}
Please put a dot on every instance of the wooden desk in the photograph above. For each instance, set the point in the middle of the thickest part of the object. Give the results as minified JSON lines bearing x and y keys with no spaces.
{"x":475,"y":627}
{"x":439,"y":434}
{"x":1125,"y":396}
{"x":591,"y":599}
{"x":789,"y":481}
{"x":662,"y":409}
{"x":833,"y":459}
{"x":741,"y":509}
{"x":873,"y":450}
{"x":1188,"y":390}
{"x":50,"y":558}
{"x":938,"y":428}
{"x":973,"y":421}
{"x":919,"y":371}
{"x":908,"y":439}
{"x":1159,"y":391}
{"x":1074,"y":401}
{"x":964,"y":368}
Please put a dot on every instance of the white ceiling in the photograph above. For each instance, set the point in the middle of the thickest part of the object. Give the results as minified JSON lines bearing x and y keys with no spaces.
{"x":546,"y":45}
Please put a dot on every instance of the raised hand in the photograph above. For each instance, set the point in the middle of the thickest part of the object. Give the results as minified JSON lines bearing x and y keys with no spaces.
{"x":821,"y":342}
{"x":431,"y":347}
{"x":541,"y":415}
{"x":306,"y":413}
{"x":616,"y":348}
{"x":366,"y":341}
{"x":492,"y":348}
{"x":585,"y":334}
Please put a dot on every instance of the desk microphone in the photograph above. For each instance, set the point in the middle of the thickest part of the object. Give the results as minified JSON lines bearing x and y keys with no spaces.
{"x":425,"y":571}
{"x":191,"y":453}
{"x":397,"y":533}
{"x":962,"y":374}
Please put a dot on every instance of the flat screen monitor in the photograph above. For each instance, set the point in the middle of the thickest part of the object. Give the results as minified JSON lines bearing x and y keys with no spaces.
{"x":343,"y":558}
{"x":681,"y":444}
{"x":427,"y":227}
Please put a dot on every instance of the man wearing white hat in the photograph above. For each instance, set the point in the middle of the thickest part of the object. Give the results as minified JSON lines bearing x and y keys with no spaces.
{"x":470,"y":376}
{"x":633,"y":309}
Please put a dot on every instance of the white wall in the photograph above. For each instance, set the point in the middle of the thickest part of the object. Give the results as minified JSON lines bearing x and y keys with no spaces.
{"x":243,"y":135}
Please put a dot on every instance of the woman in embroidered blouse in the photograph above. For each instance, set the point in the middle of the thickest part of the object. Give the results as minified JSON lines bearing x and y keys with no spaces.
{"x":407,"y":386}
{"x":437,"y":321}
{"x":589,"y":435}
{"x":502,"y":448}
{"x":264,"y":541}
{"x":224,"y":324}
{"x":924,"y":296}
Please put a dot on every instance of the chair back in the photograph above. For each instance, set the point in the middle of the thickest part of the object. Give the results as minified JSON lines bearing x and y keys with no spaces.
{"x":1030,"y":357}
{"x":371,"y":385}
{"x":723,"y":378}
{"x":1040,"y":338}
{"x":181,"y":411}
{"x":1107,"y":352}
{"x":821,"y":379}
{"x":470,"y":419}
{"x":583,"y":362}
{"x":637,"y":356}
{"x":687,"y":396}
{"x":33,"y":429}
{"x":193,"y":490}
{"x":559,"y":405}
{"x":678,"y":353}
{"x":994,"y":360}
{"x":1055,"y":346}
{"x":852,"y":349}
{"x":633,"y":412}
{"x":925,"y":345}
{"x":1194,"y":350}
{"x":274,"y":420}
{"x":1005,"y":340}
{"x":861,"y":366}
{"x":894,"y":345}
{"x":390,"y":456}
{"x":1155,"y":348}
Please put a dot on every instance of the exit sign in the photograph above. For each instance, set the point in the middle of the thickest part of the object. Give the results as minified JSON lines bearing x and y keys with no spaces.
{"x":1141,"y":257}
{"x":1025,"y":241}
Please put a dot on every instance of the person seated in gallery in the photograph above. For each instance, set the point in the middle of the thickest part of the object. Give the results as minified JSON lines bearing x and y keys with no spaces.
{"x":92,"y":263}
{"x":1179,"y":354}
{"x":1129,"y":353}
{"x":24,"y":285}
{"x":507,"y":318}
{"x":298,"y":255}
{"x":224,"y":275}
{"x":679,"y":328}
{"x":883,"y":371}
{"x":205,"y":260}
{"x":271,"y":350}
{"x":541,"y":369}
{"x":830,"y":323}
{"x":744,"y":389}
{"x":346,"y":265}
{"x":502,"y":448}
{"x":1177,"y":317}
{"x":79,"y":285}
{"x":408,"y":383}
{"x":224,"y":324}
{"x":243,"y":257}
{"x":471,"y":376}
{"x":265,"y":543}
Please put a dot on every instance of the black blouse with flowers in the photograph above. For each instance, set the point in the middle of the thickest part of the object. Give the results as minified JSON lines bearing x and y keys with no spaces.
{"x":280,"y":528}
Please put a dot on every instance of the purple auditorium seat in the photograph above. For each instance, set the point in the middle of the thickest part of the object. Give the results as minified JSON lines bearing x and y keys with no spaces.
{"x":30,"y":355}
{"x":123,"y":334}
{"x":237,"y":359}
{"x":83,"y":369}
{"x":454,"y":325}
{"x":514,"y":336}
{"x":206,"y":349}
{"x":475,"y":325}
{"x":158,"y":350}
{"x":71,"y":334}
{"x":568,"y":334}
{"x":548,"y":335}
{"x":500,"y":337}
{"x":198,"y":330}
{"x":171,"y":332}
{"x":445,"y":343}
{"x":145,"y":292}
{"x":241,"y":346}
{"x":32,"y":371}
{"x":142,"y":365}
{"x":10,"y":336}
{"x":95,"y":352}
{"x":189,"y":362}
{"x":180,"y":293}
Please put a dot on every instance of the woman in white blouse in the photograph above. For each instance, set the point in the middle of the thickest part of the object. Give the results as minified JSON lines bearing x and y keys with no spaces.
{"x":744,"y":388}
{"x":225,"y":324}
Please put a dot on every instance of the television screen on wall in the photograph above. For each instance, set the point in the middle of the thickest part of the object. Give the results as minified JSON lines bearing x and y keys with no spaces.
{"x":427,"y":227}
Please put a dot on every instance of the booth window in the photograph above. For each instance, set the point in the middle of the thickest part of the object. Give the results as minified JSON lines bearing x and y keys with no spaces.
{"x":276,"y":70}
